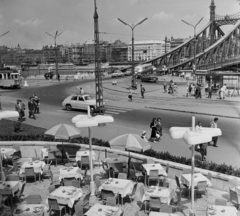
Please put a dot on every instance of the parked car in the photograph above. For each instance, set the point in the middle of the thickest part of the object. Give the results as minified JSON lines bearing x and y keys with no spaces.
{"x":79,"y":102}
{"x":148,"y":78}
{"x":117,"y":74}
{"x":49,"y":75}
{"x":138,"y":75}
{"x":128,"y":73}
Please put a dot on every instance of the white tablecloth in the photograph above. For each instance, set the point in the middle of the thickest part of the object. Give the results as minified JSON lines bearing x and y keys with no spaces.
{"x":222,"y":211}
{"x":79,"y":154}
{"x":120,"y":186}
{"x":7,"y":152}
{"x":13,"y":186}
{"x":44,"y":152}
{"x":165,"y":194}
{"x":34,"y":209}
{"x":101,"y":210}
{"x":161,"y":214}
{"x":70,"y":172}
{"x":186,"y":179}
{"x":158,"y":166}
{"x":37,"y":165}
{"x":66,"y":195}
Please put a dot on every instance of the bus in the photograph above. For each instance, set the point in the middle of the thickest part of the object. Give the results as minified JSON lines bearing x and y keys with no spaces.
{"x":10,"y":78}
{"x":145,"y":68}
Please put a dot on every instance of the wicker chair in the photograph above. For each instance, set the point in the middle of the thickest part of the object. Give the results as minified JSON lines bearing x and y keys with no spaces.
{"x":76,"y":183}
{"x":54,"y":206}
{"x":86,"y":200}
{"x":166,"y":208}
{"x":122,"y":175}
{"x":71,"y":159}
{"x":48,"y":172}
{"x":234,"y":198}
{"x":201,"y":188}
{"x":85,"y":161}
{"x":29,"y":172}
{"x":153,"y":176}
{"x":111,"y":202}
{"x":154,"y":203}
{"x":137,"y":175}
{"x":34,"y":199}
{"x":133,"y":193}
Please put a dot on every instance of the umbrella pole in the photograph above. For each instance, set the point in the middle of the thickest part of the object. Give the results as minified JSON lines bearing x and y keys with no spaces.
{"x":62,"y":152}
{"x":192,"y":177}
{"x":2,"y":175}
{"x":92,"y":185}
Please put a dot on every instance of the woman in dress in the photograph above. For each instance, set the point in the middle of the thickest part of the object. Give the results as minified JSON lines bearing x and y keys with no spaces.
{"x":153,"y":126}
{"x":158,"y":129}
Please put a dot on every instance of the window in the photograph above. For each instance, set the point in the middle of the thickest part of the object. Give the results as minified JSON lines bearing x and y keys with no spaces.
{"x":88,"y":98}
{"x":81,"y":99}
{"x":74,"y":98}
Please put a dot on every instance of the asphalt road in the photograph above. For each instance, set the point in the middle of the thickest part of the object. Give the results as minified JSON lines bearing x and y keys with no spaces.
{"x":134,"y":118}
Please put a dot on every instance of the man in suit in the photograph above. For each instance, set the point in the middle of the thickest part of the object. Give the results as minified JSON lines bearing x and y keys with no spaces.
{"x":18,"y":109}
{"x":31,"y":108}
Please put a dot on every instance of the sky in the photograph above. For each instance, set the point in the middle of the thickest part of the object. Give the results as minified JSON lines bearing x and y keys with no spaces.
{"x":28,"y":20}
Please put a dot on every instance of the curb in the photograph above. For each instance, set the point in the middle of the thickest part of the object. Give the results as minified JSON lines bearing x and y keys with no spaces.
{"x":173,"y":110}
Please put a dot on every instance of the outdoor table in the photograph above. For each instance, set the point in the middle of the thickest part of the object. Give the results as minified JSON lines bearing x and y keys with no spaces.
{"x":111,"y":162}
{"x":14,"y":186}
{"x":7,"y":152}
{"x":157,"y":166}
{"x":186,"y":179}
{"x":66,"y":195}
{"x":101,"y":210}
{"x":29,"y":210}
{"x":152,"y":213}
{"x":37,"y":166}
{"x":165,"y":194}
{"x":70,"y":172}
{"x":221,"y":210}
{"x":118,"y":186}
{"x":44,"y":152}
{"x":79,"y":154}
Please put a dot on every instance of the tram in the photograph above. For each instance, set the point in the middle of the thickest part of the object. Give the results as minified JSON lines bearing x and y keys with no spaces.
{"x":10,"y":78}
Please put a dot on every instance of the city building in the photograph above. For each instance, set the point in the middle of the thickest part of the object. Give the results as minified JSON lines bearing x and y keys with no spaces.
{"x":49,"y":55}
{"x":147,"y":49}
{"x":119,"y":52}
{"x":175,"y":42}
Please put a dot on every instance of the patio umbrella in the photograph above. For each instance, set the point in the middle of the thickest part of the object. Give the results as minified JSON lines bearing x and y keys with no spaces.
{"x":131,"y":142}
{"x":63,"y":131}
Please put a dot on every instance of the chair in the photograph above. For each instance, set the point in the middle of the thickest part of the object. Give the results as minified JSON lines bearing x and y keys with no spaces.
{"x":52,"y":157}
{"x":79,"y":208}
{"x":111,"y":202}
{"x":34,"y":199}
{"x":48,"y":172}
{"x":118,"y":169}
{"x":6,"y":193}
{"x":122,"y":175}
{"x":137,"y":175}
{"x":86,"y":179}
{"x":154,"y":203}
{"x":55,"y":180}
{"x":85,"y":161}
{"x":54,"y":206}
{"x":19,"y":194}
{"x":12,"y":178}
{"x":29,"y":172}
{"x":221,"y":202}
{"x":51,"y":188}
{"x":68,"y":165}
{"x":71,"y":159}
{"x":166,"y":184}
{"x":67,"y":181}
{"x":76,"y":183}
{"x":16,"y":155}
{"x":105,"y":194}
{"x":201,"y":188}
{"x":86,"y":199}
{"x":234,"y":198}
{"x":133,"y":193}
{"x":166,"y":208}
{"x":153,"y":176}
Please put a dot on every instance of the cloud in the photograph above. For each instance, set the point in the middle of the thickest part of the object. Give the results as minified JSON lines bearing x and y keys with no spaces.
{"x":162,"y":16}
{"x":35,"y":22}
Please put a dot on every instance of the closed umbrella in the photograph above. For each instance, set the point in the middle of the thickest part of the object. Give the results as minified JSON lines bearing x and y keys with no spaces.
{"x":131,"y":142}
{"x":63,"y":131}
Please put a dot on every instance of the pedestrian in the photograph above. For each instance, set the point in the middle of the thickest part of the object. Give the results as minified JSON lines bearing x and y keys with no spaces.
{"x":81,"y":91}
{"x":130,"y":94}
{"x":31,"y":108}
{"x":165,"y":86}
{"x":36,"y":101}
{"x":175,"y":89}
{"x":18,"y":109}
{"x":159,"y":129}
{"x":142,"y":91}
{"x":22,"y":109}
{"x":209,"y":90}
{"x":222,"y":91}
{"x":213,"y":124}
{"x":58,"y":77}
{"x":143,"y":136}
{"x":153,"y":126}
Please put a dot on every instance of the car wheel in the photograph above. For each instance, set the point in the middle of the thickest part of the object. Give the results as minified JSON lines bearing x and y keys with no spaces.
{"x":68,"y":107}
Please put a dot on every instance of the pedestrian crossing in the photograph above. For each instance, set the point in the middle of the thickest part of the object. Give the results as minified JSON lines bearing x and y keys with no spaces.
{"x":115,"y":110}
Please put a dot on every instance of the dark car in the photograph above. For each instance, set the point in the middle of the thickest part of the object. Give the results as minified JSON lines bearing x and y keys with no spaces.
{"x":148,"y":78}
{"x":49,"y":75}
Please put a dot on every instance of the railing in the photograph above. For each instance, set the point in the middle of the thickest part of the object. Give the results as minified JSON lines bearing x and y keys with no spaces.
{"x":228,"y":17}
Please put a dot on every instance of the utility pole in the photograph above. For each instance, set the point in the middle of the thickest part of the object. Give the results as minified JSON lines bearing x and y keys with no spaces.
{"x":55,"y":44}
{"x":0,"y":54}
{"x":98,"y":73}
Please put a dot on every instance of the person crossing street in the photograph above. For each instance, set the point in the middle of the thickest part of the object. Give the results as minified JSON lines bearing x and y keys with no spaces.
{"x":142,"y":91}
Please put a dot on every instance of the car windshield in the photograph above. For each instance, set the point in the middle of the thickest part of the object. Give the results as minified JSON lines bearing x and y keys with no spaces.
{"x":88,"y":97}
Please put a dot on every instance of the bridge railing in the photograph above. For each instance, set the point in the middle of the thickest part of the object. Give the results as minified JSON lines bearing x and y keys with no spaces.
{"x":227,"y":17}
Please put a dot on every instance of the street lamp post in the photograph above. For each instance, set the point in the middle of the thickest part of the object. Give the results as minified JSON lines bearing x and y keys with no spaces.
{"x":194,"y":41}
{"x":132,"y":28}
{"x":0,"y":55}
{"x":55,"y":44}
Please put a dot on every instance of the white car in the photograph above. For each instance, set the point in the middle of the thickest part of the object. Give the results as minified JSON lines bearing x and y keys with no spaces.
{"x":128,"y":73}
{"x":79,"y":102}
{"x":117,"y":74}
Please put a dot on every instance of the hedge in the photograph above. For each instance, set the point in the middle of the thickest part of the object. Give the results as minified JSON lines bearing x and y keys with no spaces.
{"x":222,"y":168}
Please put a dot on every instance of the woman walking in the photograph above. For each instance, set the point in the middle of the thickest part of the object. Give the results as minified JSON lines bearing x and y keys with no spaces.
{"x":153,"y":126}
{"x":159,"y":129}
{"x":130,"y":94}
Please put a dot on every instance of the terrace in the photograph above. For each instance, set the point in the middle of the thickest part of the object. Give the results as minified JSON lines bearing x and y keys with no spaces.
{"x":107,"y":164}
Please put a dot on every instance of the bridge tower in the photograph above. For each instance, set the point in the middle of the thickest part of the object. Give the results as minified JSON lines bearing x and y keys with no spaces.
{"x":212,"y":19}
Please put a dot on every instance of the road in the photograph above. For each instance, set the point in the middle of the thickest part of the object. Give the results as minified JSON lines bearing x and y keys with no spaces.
{"x":135,"y":117}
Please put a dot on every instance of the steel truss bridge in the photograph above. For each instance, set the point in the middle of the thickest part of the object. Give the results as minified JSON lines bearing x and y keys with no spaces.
{"x":215,"y":50}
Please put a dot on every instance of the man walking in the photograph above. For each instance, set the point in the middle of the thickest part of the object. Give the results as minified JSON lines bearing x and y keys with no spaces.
{"x":142,"y":91}
{"x":209,"y":91}
{"x":31,"y":108}
{"x":130,"y":94}
{"x":214,"y":125}
{"x":165,"y":86}
{"x":18,"y":109}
